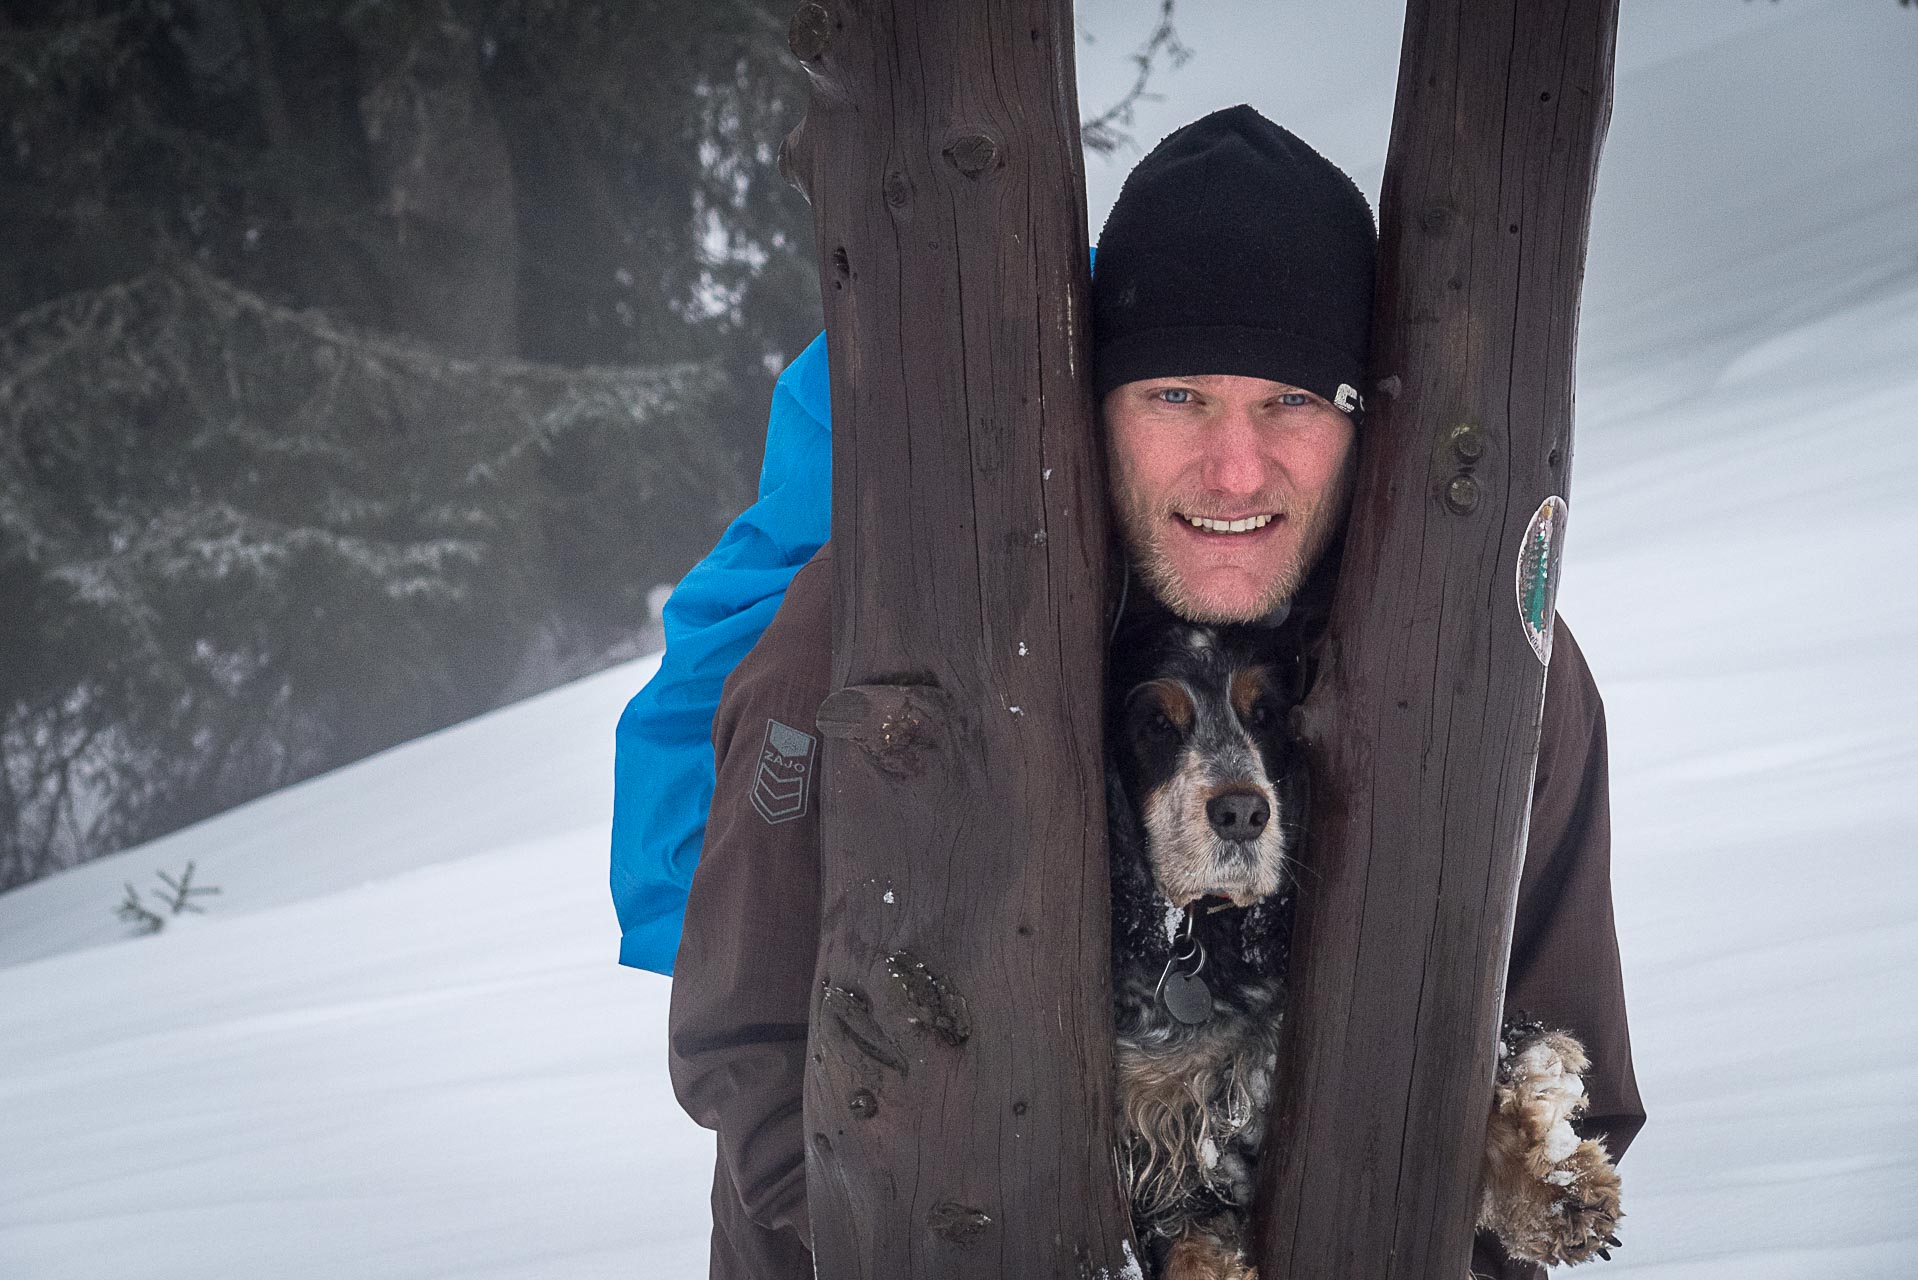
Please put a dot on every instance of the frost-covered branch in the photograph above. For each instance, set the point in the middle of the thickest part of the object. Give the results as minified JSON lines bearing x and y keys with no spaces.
{"x":1107,"y":131}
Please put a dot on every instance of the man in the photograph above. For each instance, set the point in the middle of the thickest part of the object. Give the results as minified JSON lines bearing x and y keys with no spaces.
{"x":1231,"y":313}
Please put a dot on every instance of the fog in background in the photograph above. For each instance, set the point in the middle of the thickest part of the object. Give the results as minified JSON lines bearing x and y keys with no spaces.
{"x":363,"y":366}
{"x":268,"y":501}
{"x":367,"y":366}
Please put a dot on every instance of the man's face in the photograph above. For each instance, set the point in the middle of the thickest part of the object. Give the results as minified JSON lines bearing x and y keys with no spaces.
{"x":1191,"y":456}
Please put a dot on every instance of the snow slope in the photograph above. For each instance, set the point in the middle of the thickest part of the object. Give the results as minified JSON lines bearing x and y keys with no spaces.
{"x":537,"y":768}
{"x":1746,"y":503}
{"x":398,"y":1046}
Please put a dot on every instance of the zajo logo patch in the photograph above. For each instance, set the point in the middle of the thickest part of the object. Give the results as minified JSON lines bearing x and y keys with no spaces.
{"x":785,"y":773}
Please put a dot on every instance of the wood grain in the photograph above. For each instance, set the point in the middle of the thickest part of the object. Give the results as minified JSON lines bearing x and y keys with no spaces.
{"x":959,"y":1091}
{"x":1424,"y":721}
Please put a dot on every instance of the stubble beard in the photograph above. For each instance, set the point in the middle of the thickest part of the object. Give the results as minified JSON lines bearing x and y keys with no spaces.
{"x":1145,"y":530}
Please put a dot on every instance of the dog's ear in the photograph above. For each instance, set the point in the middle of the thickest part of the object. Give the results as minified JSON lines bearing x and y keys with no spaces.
{"x":1127,"y":835}
{"x":1295,"y":797}
{"x":1137,"y":910}
{"x":1291,"y":678}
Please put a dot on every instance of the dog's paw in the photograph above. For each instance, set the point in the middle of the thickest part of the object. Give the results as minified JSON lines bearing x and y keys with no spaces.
{"x":1549,"y":1195}
{"x":1201,"y":1257}
{"x":1540,"y":1089}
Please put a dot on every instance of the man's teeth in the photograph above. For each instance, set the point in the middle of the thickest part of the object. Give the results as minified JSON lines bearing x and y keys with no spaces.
{"x":1229,"y":526}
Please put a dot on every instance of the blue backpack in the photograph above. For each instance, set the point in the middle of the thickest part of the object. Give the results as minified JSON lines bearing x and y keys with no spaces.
{"x":663,"y":756}
{"x":663,"y":759}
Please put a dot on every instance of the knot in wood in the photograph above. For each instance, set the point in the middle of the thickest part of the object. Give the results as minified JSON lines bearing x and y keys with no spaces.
{"x":958,"y":1223}
{"x":933,"y":1006}
{"x":1462,"y":494}
{"x":1468,"y":442}
{"x":898,"y":190}
{"x":864,"y":1104}
{"x":810,"y":34}
{"x":1436,"y":219}
{"x":972,"y":153}
{"x":846,"y":1014}
{"x":895,"y":726}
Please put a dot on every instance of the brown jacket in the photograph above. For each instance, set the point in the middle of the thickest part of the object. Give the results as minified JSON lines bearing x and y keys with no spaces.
{"x":741,"y":985}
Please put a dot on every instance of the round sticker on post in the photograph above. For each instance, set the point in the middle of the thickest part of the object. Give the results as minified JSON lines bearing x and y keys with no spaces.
{"x":1538,"y":574}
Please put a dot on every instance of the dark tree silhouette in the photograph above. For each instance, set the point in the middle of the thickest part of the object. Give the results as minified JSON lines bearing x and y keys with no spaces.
{"x":364,"y":365}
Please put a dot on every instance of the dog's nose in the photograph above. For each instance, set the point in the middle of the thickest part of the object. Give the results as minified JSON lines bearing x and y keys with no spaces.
{"x":1238,"y":815}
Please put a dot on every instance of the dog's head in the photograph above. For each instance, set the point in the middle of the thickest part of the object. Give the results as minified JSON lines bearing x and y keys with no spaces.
{"x":1200,"y":744}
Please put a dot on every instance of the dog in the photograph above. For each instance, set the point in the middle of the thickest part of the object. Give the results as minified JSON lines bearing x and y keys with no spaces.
{"x":1205,"y":797}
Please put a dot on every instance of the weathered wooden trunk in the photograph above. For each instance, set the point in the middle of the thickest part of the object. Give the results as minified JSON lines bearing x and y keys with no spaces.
{"x":958,"y":1097}
{"x":1424,"y":722}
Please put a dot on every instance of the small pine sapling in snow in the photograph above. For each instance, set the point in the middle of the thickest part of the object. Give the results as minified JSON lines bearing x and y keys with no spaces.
{"x":138,"y":914}
{"x":177,"y":899}
{"x":184,"y":891}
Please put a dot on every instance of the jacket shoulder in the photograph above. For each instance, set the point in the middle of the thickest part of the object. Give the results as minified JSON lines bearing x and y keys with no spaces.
{"x":786,"y":673}
{"x":1571,"y":725}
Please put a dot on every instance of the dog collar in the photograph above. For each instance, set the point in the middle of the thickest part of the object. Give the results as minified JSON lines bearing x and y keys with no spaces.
{"x":1184,"y":993}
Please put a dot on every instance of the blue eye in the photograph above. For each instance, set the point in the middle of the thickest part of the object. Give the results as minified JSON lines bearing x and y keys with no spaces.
{"x":1165,"y":394}
{"x":1295,"y":399}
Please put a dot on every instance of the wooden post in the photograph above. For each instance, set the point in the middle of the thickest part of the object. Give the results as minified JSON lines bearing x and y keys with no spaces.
{"x":959,"y":1090}
{"x":1424,"y":722}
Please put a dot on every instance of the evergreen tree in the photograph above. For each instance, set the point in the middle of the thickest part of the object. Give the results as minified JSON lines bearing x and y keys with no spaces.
{"x":367,"y":364}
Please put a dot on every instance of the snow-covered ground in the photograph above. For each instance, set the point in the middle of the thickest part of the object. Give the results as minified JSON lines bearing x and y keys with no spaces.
{"x":397,"y":1045}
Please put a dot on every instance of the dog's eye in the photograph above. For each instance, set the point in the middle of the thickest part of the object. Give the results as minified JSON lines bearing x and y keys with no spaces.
{"x":1156,"y":726}
{"x":1259,"y":717}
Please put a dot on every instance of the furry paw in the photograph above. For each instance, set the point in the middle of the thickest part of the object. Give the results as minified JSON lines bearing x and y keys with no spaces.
{"x":1200,"y":1257}
{"x":1550,"y":1196}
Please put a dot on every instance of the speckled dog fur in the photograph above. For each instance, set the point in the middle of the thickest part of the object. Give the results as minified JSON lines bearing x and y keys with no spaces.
{"x":1198,"y":713}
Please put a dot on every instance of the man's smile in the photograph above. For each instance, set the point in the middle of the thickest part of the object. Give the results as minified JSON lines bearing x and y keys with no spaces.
{"x":1233,"y":527}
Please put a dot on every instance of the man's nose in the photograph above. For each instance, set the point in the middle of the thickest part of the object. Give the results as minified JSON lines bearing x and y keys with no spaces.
{"x":1233,"y":461}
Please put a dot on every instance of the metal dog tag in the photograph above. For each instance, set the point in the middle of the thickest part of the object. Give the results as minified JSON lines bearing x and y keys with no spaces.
{"x":1187,"y":998}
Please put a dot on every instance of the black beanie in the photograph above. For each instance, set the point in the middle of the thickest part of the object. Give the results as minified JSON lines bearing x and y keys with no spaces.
{"x":1236,"y":248}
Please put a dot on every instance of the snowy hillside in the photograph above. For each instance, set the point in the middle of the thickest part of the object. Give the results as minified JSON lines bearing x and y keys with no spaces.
{"x":397,"y":1046}
{"x":537,"y":769}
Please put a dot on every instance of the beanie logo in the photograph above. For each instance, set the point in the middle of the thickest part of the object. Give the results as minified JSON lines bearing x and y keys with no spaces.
{"x":1349,"y":398}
